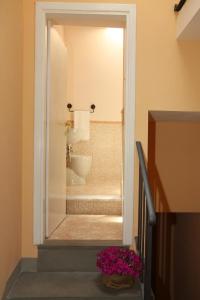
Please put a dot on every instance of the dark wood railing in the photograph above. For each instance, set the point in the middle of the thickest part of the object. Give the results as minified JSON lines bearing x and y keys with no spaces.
{"x":146,"y":221}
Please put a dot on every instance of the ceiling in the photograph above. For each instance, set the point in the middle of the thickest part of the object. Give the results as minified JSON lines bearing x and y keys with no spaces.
{"x":90,"y":20}
{"x":188,"y":21}
{"x":174,"y":116}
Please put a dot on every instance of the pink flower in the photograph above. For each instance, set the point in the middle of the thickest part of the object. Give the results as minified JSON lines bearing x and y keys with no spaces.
{"x":121,"y":261}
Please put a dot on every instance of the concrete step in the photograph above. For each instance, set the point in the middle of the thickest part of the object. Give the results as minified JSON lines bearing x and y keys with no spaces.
{"x":67,"y":258}
{"x":67,"y":285}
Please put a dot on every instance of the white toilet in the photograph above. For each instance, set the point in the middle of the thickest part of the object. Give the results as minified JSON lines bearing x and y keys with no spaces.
{"x":72,"y":178}
{"x":81,"y":165}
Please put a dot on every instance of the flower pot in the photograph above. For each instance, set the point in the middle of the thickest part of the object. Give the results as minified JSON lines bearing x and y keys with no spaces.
{"x":118,"y":282}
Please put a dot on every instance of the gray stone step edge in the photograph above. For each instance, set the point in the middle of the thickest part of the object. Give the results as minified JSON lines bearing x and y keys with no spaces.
{"x":26,"y":264}
{"x":79,"y":298}
{"x":67,"y":258}
{"x":29,"y":264}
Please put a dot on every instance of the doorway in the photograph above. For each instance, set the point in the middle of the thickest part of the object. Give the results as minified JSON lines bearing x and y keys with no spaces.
{"x":54,"y":180}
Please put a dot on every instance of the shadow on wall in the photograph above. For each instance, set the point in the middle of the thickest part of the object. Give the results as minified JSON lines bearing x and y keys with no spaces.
{"x":174,"y":163}
{"x":157,"y":188}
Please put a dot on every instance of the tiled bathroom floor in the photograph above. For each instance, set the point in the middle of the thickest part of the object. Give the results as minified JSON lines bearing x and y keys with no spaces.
{"x":89,"y":227}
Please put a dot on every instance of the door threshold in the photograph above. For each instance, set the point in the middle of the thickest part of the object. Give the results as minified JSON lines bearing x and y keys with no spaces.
{"x":105,"y":243}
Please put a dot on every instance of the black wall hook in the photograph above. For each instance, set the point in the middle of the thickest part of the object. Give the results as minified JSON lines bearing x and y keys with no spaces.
{"x":178,"y":7}
{"x":69,"y":106}
{"x":92,"y":107}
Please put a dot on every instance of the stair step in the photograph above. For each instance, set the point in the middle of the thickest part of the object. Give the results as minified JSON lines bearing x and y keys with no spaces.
{"x":67,"y":285}
{"x":67,"y":258}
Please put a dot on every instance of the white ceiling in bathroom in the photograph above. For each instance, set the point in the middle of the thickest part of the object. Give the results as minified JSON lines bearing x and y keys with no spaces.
{"x":90,"y":20}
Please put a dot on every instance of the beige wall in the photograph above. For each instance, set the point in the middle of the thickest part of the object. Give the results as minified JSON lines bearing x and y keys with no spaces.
{"x":95,"y":70}
{"x":176,"y":166}
{"x":167,"y":78}
{"x":10,"y":132}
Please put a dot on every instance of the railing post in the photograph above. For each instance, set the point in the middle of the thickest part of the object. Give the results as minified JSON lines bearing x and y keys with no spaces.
{"x":146,"y":221}
{"x":139,"y":212}
{"x":148,"y":262}
{"x":143,"y":232}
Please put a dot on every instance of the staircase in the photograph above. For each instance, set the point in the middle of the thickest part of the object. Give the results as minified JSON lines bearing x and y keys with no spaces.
{"x":69,"y":272}
{"x":66,"y":272}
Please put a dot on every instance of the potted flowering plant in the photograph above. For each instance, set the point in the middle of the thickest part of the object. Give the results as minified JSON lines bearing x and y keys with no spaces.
{"x":119,"y":267}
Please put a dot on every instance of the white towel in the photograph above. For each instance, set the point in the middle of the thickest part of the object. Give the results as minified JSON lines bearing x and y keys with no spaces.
{"x":82,"y":123}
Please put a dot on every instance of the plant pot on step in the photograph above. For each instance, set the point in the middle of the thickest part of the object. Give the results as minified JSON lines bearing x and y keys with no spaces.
{"x":118,"y":282}
{"x":119,"y":267}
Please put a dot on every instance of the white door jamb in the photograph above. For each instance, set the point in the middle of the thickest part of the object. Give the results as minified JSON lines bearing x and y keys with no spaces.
{"x":45,"y":10}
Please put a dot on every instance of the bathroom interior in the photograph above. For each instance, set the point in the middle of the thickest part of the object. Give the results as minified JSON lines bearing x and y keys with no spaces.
{"x":85,"y":132}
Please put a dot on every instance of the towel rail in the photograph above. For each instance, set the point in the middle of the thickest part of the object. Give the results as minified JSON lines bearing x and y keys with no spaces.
{"x":92,"y":107}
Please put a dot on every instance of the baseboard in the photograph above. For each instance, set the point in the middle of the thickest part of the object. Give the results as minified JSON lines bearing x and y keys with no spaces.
{"x":25,"y":264}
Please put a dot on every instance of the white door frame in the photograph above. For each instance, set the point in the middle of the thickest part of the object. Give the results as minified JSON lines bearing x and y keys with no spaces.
{"x":43,"y":11}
